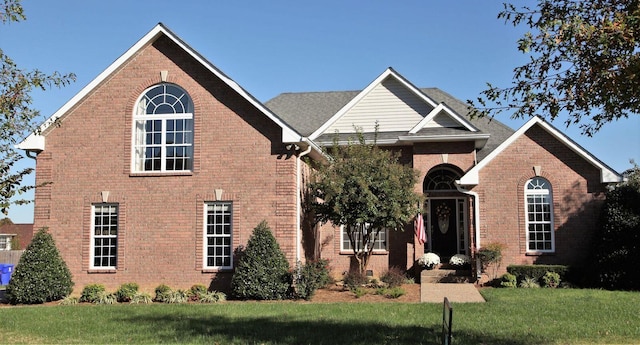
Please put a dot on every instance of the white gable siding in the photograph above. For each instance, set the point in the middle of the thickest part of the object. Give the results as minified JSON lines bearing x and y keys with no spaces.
{"x":390,"y":103}
{"x":442,"y":120}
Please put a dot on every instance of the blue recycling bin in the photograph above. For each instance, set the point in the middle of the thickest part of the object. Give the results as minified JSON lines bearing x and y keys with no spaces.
{"x":5,"y":273}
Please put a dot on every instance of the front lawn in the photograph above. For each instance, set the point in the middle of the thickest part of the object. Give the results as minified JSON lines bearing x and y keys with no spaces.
{"x":510,"y":316}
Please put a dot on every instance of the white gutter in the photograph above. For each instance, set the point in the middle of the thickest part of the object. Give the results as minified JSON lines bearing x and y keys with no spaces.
{"x":299,"y":200}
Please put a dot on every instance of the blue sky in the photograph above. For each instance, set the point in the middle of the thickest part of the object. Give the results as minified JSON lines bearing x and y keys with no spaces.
{"x":270,"y":47}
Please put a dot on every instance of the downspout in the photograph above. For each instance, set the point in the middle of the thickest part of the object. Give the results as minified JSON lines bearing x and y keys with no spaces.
{"x":476,"y":218}
{"x":299,"y":200}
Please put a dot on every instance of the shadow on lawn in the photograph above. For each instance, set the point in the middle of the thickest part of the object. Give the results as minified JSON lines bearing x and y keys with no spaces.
{"x":259,"y":330}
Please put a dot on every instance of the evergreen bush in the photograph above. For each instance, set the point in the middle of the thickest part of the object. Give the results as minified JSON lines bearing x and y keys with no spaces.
{"x":163,"y":293}
{"x":126,"y":292}
{"x":311,"y":276}
{"x":91,"y":293}
{"x":617,"y":243}
{"x":355,"y":280}
{"x":537,"y":271}
{"x":41,"y":274}
{"x":551,"y":280}
{"x":508,"y":280}
{"x":262,"y":272}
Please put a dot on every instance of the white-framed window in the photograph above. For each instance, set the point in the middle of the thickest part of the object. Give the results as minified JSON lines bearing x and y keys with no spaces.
{"x":218,"y":231}
{"x":163,"y":130}
{"x":539,"y":220}
{"x":104,"y":236}
{"x":379,"y":245}
{"x":5,"y":242}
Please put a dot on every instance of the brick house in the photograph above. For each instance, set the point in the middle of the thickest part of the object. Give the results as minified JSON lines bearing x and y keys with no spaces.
{"x":162,"y":166}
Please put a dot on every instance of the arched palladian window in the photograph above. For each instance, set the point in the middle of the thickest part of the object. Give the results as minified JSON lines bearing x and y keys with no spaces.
{"x":440,"y":179}
{"x":539,"y":221}
{"x":163,"y":130}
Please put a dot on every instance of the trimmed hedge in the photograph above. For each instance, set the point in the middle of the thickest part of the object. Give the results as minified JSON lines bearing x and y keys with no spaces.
{"x":537,"y":271}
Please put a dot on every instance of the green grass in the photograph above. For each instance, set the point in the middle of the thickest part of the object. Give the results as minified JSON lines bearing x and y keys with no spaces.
{"x":510,"y":316}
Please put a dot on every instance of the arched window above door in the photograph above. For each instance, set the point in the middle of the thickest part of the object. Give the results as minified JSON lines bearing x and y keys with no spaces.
{"x":440,"y":179}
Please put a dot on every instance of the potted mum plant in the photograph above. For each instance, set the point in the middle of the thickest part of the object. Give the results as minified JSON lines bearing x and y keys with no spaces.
{"x":429,"y":261}
{"x":460,"y":261}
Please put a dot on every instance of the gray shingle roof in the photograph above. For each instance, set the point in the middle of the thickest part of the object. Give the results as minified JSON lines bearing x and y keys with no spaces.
{"x":307,"y":111}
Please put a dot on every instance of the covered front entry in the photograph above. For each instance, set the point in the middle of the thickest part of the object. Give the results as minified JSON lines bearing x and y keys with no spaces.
{"x":446,"y":213}
{"x":447,"y":229}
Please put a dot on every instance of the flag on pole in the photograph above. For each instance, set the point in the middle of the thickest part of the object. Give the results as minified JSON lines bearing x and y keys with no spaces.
{"x":418,"y":225}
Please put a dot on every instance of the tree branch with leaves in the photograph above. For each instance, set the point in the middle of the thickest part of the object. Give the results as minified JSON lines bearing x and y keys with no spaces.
{"x":17,"y":117}
{"x":365,"y":189}
{"x":584,"y":61}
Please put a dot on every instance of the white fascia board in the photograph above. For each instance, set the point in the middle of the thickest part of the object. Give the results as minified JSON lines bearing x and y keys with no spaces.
{"x":433,"y":113}
{"x":607,"y":175}
{"x":288,"y":134}
{"x":388,"y":72}
{"x":479,"y":139}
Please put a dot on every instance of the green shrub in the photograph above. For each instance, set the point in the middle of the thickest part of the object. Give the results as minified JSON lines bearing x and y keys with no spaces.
{"x":616,"y":244}
{"x":212,"y":297}
{"x":69,"y":300}
{"x":163,"y":293}
{"x":508,"y":280}
{"x":537,"y":271}
{"x":551,"y":279}
{"x":311,"y":276}
{"x":491,"y":255}
{"x":178,"y":296}
{"x":91,"y":293}
{"x":107,"y":298}
{"x":41,"y":275}
{"x":196,"y":292}
{"x":529,"y":283}
{"x":394,"y":292}
{"x":262,"y":272}
{"x":355,"y":280}
{"x":393,"y":277}
{"x":126,"y":292}
{"x":141,"y":298}
{"x":359,"y":291}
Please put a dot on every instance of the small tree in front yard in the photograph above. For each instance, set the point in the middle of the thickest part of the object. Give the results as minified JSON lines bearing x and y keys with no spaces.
{"x":262,"y":272}
{"x":365,"y":189}
{"x":41,"y":274}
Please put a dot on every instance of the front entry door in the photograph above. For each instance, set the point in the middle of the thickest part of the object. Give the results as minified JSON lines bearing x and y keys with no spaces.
{"x":443,"y":226}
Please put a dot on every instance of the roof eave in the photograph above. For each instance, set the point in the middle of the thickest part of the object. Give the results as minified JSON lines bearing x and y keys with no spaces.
{"x":479,"y":139}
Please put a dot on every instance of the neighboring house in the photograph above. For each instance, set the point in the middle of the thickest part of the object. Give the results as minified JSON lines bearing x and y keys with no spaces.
{"x":161,"y":167}
{"x":15,"y":236}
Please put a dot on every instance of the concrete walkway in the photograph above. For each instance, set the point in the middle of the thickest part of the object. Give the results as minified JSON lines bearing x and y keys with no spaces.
{"x":456,"y":293}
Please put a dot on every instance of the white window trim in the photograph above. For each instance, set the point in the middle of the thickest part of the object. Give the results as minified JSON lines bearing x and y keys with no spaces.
{"x":93,"y":237}
{"x":549,"y":192}
{"x":344,"y":237}
{"x":138,"y":157}
{"x":205,"y":235}
{"x":8,"y":239}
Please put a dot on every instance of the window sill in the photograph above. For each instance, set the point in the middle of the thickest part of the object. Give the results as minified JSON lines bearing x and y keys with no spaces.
{"x":216,"y":270}
{"x":350,"y":252}
{"x":540,"y":253}
{"x":157,"y":173}
{"x":102,"y":271}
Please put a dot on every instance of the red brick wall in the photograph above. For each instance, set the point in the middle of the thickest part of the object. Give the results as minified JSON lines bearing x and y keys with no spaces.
{"x":577,"y":197}
{"x":236,"y":149}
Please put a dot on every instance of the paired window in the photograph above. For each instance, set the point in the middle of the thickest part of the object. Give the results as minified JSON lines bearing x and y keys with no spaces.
{"x":539,"y":221}
{"x":104,"y":236}
{"x":163,"y":130}
{"x":380,"y":243}
{"x":217,"y":235}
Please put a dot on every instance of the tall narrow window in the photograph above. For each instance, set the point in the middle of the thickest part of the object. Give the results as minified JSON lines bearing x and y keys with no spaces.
{"x":217,"y":235}
{"x":104,"y":236}
{"x":539,"y":206}
{"x":163,"y":130}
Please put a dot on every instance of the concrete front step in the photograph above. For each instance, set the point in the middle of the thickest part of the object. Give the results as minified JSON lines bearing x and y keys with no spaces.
{"x":446,"y":275}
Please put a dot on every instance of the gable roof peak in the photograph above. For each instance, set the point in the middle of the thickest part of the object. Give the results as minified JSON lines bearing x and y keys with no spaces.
{"x":36,"y":141}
